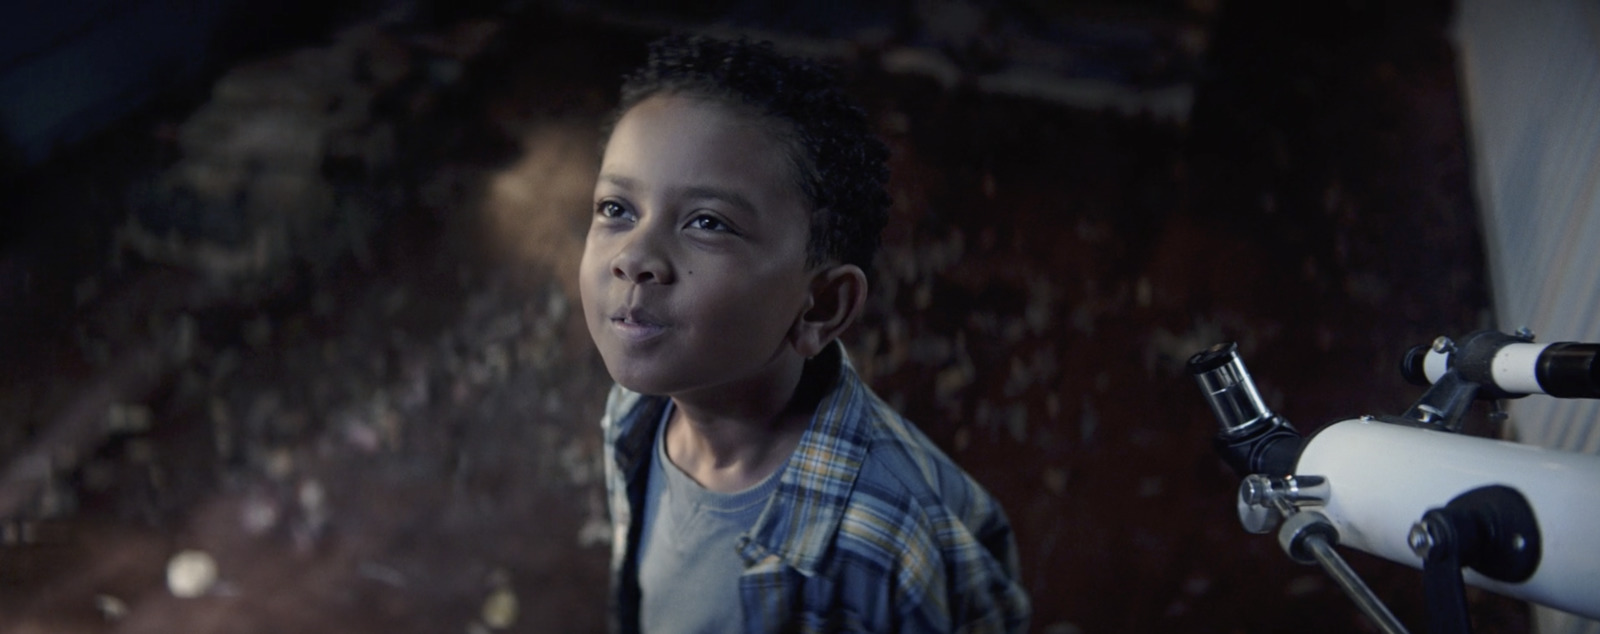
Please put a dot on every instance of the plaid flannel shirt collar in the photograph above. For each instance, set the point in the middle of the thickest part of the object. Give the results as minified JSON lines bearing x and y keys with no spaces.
{"x":800,"y":521}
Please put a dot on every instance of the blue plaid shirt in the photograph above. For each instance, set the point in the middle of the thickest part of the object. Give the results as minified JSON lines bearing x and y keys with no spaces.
{"x":871,"y":528}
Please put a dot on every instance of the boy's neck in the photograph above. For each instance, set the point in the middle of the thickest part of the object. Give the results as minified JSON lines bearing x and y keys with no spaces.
{"x":729,"y":444}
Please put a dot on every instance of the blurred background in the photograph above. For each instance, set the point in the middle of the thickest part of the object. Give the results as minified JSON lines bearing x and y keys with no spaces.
{"x":289,"y":336}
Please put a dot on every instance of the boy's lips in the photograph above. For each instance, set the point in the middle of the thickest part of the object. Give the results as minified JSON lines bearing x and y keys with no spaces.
{"x":637,"y":323}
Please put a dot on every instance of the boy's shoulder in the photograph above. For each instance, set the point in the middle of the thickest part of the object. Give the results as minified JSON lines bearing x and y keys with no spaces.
{"x":900,"y":456}
{"x":895,"y":471}
{"x":914,"y":512}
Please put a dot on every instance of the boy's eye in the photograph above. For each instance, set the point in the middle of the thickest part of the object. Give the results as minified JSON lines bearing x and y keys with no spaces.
{"x":708,"y":223}
{"x":609,"y":209}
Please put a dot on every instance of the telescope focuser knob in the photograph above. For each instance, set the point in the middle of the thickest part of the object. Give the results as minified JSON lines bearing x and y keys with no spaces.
{"x":1264,"y":500}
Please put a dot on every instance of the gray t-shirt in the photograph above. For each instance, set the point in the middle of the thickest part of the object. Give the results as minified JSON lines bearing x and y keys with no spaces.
{"x":689,"y":565}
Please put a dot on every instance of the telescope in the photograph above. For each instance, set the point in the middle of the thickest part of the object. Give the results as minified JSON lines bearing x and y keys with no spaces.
{"x":1511,"y":518}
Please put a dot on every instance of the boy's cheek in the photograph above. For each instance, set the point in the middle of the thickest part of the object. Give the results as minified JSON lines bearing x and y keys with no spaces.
{"x":588,"y":293}
{"x":587,"y":297}
{"x":588,"y":265}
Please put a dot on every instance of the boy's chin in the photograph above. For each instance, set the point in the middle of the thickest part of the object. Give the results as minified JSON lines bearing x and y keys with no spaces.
{"x":635,"y":381}
{"x":641,"y":389}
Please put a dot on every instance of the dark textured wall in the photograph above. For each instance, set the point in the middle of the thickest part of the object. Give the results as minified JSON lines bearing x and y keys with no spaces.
{"x":386,"y":420}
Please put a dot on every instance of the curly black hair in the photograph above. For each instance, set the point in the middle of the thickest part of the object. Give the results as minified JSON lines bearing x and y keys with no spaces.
{"x":840,"y":164}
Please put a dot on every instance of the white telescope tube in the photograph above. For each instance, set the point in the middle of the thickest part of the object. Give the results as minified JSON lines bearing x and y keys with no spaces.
{"x":1383,"y":477}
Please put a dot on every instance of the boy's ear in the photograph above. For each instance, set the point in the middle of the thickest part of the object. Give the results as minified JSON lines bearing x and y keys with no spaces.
{"x":838,"y":295}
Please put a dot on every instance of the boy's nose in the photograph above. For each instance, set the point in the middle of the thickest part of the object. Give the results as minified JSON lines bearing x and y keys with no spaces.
{"x":641,"y":261}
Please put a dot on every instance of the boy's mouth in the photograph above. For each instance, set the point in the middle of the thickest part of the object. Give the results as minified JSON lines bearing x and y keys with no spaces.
{"x":636,"y":315}
{"x":637,"y":323}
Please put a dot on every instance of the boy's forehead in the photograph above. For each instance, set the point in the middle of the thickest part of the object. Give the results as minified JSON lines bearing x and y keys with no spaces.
{"x":689,"y":130}
{"x":684,"y":142}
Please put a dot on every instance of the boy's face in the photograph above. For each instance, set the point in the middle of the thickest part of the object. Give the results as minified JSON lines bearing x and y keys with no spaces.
{"x":694,"y":271}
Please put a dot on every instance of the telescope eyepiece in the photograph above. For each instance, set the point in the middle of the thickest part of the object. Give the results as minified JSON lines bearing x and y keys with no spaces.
{"x":1229,"y":389}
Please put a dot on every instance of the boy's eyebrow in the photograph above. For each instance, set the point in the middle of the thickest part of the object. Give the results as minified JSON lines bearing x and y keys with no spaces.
{"x":718,"y":193}
{"x":620,"y":181}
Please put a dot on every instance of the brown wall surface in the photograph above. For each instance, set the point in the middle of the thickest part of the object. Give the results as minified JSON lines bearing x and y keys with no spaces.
{"x":320,"y":323}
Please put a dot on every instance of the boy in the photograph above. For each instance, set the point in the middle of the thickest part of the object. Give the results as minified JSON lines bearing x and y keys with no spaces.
{"x":756,"y":483}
